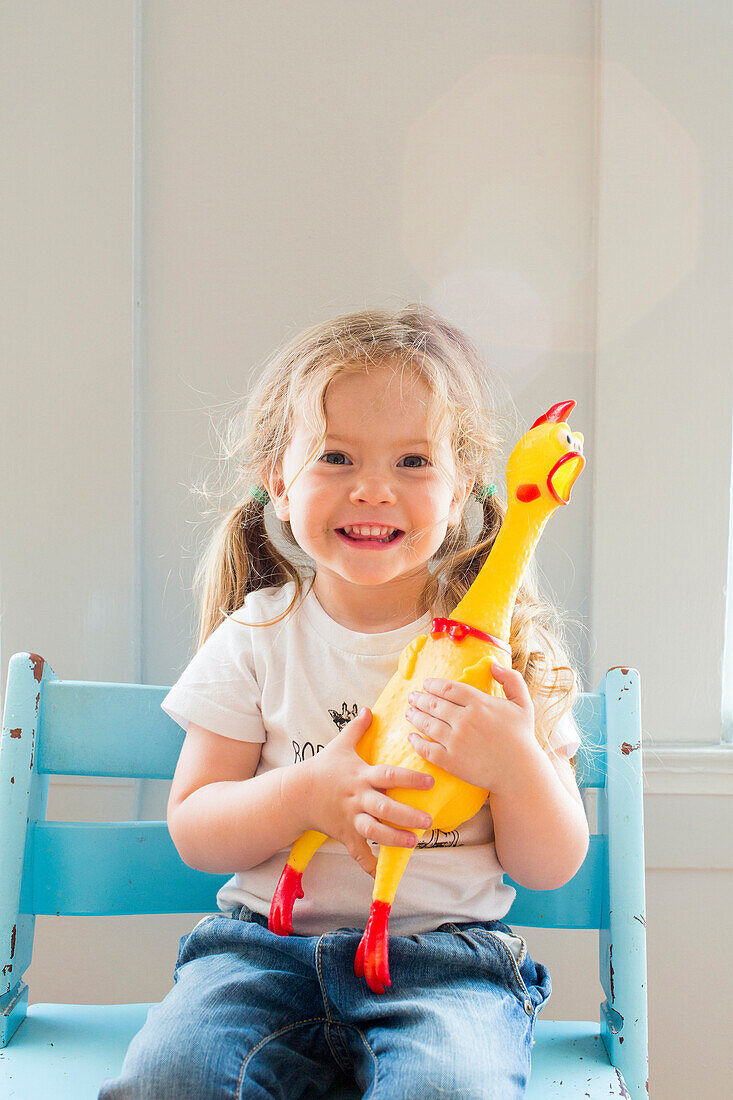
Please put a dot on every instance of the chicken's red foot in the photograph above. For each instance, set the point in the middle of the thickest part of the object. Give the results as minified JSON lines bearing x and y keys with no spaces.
{"x":372,"y":956}
{"x":283,"y":900}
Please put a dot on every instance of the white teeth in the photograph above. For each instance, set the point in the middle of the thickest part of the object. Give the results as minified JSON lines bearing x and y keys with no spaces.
{"x":370,"y":532}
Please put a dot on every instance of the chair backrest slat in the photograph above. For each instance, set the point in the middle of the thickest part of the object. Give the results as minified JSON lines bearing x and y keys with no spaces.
{"x":100,"y":729}
{"x":132,"y":867}
{"x":111,"y":868}
{"x":106,"y":730}
{"x":578,"y":904}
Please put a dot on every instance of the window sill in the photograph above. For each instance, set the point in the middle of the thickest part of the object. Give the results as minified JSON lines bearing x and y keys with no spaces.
{"x":687,"y":769}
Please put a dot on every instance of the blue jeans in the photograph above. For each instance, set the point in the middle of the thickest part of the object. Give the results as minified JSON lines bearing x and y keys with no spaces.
{"x":253,"y":1015}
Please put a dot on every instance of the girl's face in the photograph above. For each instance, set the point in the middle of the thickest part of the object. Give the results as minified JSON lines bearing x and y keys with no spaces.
{"x":373,"y":469}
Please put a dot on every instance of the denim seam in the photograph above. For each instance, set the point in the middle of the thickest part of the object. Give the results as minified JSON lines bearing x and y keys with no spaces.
{"x":321,"y":983}
{"x":509,"y":956}
{"x":367,"y":1044}
{"x":338,"y":1025}
{"x":337,"y":1057}
{"x":331,"y":1021}
{"x":515,"y":968}
{"x":274,"y":1035}
{"x":203,"y":921}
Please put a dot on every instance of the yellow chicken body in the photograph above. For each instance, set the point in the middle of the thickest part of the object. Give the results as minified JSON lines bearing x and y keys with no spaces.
{"x":540,"y":474}
{"x":450,"y":801}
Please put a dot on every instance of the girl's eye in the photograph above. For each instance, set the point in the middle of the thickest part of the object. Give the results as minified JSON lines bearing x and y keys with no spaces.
{"x":330,"y":454}
{"x":340,"y":454}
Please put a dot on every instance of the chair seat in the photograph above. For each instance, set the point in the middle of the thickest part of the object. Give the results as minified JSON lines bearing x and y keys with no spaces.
{"x":68,"y":1050}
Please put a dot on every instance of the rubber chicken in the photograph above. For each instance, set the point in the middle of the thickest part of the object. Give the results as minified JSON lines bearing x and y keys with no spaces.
{"x":541,"y":472}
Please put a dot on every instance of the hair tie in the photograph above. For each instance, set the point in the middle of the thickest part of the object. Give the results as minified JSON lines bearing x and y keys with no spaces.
{"x":487,"y":491}
{"x":259,"y":494}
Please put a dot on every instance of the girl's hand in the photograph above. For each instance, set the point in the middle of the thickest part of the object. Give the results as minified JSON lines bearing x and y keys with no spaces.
{"x":477,"y":737}
{"x":347,"y":799}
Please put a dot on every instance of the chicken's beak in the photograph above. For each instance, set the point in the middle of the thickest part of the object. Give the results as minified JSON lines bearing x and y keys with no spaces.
{"x":564,"y":474}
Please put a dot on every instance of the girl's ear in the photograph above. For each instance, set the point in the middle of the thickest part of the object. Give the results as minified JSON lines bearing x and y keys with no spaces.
{"x":459,"y":503}
{"x":276,"y":491}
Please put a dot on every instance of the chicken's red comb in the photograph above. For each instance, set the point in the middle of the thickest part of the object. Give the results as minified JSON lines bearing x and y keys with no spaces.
{"x":556,"y":414}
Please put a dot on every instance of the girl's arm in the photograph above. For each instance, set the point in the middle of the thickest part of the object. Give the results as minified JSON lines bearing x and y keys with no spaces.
{"x":540,"y":827}
{"x":221,"y":816}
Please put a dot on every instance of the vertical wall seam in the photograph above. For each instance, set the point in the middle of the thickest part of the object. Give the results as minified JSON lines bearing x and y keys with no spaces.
{"x":726,"y":688}
{"x":596,"y":248}
{"x":138,"y":351}
{"x":137,"y":594}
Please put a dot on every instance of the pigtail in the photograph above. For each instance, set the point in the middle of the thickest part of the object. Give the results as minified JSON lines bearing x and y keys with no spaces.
{"x":463,"y":558}
{"x":240,"y":558}
{"x":492,"y":515}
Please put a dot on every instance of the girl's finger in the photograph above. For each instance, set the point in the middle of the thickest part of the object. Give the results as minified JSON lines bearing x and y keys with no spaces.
{"x":515,"y":687}
{"x":450,"y":691}
{"x":354,"y":730}
{"x":424,"y":723}
{"x":432,"y":751}
{"x":437,"y":707}
{"x":391,"y":812}
{"x":386,"y":835}
{"x":364,"y":856}
{"x":384,"y":776}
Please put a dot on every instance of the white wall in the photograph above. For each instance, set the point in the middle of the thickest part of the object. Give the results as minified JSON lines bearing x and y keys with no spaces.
{"x":664,"y":396}
{"x":556,"y":179}
{"x":66,"y":558}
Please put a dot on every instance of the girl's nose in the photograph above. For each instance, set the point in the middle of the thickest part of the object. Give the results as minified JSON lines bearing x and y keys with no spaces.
{"x":373,"y":491}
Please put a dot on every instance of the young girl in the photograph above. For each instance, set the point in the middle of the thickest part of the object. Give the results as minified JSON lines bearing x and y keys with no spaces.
{"x":370,"y":434}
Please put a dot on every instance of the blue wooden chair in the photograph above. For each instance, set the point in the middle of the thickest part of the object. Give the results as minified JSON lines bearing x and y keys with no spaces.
{"x":57,"y":727}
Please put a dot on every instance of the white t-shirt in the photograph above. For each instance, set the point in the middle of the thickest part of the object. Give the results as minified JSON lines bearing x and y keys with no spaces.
{"x":293,"y":686}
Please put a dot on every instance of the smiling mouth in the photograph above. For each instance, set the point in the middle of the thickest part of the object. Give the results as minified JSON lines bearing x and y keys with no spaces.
{"x":357,"y":539}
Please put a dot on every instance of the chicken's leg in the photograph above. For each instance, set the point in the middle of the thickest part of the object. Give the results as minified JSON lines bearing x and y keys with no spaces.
{"x":289,"y":888}
{"x":372,"y":956}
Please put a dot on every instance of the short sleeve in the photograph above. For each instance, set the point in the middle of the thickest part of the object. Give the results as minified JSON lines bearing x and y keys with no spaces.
{"x":218,"y":689}
{"x":565,"y":736}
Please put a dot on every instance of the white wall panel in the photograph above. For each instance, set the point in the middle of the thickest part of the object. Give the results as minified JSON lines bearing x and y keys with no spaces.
{"x":664,"y":398}
{"x":65,"y":507}
{"x":324,"y":158}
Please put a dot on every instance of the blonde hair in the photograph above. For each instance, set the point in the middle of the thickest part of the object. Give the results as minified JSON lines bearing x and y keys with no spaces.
{"x":241,"y":557}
